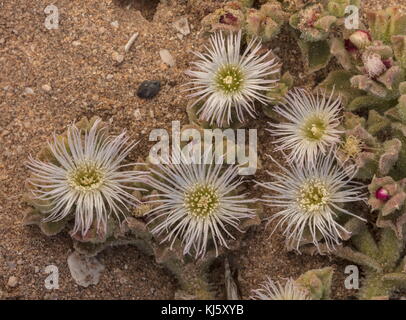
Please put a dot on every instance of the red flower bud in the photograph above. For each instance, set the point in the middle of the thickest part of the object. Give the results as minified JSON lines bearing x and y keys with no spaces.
{"x":382,"y":194}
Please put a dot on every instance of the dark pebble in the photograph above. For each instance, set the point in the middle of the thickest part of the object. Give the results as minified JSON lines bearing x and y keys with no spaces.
{"x":148,"y":89}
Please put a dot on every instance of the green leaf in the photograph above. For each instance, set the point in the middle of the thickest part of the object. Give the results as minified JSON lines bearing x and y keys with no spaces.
{"x":340,"y":81}
{"x":316,"y":54}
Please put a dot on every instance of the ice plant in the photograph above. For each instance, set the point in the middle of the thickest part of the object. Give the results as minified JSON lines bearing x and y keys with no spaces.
{"x":311,"y":198}
{"x":87,"y":179}
{"x":271,"y":290}
{"x":380,"y":254}
{"x":198,"y":203}
{"x":387,"y":200}
{"x":227,"y":83}
{"x":311,"y":127}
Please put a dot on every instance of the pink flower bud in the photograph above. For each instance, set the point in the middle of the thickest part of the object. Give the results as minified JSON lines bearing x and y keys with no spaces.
{"x":382,"y":194}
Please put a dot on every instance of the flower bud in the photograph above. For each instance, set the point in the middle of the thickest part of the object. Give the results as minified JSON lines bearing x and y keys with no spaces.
{"x":360,"y":39}
{"x":382,"y":194}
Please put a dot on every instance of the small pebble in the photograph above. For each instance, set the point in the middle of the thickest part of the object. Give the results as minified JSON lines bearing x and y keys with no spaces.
{"x":167,"y":58}
{"x":118,"y":57}
{"x":123,"y":280}
{"x":46,"y":87}
{"x":148,"y":89}
{"x":12,"y":282}
{"x":28,"y":91}
{"x":182,"y":26}
{"x":114,"y":24}
{"x":84,"y":270}
{"x":137,"y":114}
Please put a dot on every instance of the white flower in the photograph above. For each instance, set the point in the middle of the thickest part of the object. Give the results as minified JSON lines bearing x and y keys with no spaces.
{"x":88,"y":179}
{"x":276,"y":291}
{"x":311,"y":198}
{"x":226,"y":81}
{"x":311,"y":126}
{"x":198,"y":203}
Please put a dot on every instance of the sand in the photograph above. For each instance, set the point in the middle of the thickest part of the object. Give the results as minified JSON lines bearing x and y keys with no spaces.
{"x":51,"y":78}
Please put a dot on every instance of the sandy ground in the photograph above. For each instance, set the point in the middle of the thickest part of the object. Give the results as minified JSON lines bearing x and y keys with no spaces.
{"x":50,"y":78}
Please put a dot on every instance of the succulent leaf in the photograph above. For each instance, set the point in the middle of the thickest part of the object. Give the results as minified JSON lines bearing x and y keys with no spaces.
{"x":381,"y":261}
{"x":317,"y":282}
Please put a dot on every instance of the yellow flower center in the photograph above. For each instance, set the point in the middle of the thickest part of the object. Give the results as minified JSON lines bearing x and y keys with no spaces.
{"x":314,"y":129}
{"x":313,"y":196}
{"x":229,"y":79}
{"x":86,"y":177}
{"x":201,"y":201}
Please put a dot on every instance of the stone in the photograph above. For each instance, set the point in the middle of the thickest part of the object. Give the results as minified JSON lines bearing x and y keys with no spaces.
{"x":167,"y":57}
{"x":118,"y":57}
{"x":123,"y":280}
{"x":28,"y":91}
{"x":182,"y":26}
{"x":85,"y":271}
{"x":148,"y":89}
{"x":137,"y":114}
{"x":46,"y":88}
{"x":12,"y":282}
